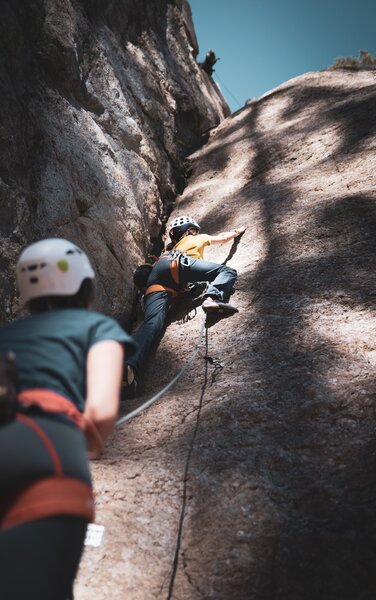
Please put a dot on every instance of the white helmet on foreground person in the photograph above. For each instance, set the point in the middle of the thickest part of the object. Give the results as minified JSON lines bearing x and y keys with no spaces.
{"x":52,"y":267}
{"x":182,"y":224}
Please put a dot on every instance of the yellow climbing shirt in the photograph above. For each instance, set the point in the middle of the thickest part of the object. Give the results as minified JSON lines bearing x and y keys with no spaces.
{"x":194,"y":245}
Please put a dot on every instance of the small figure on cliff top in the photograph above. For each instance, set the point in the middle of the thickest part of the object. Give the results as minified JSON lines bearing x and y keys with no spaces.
{"x":181,"y":263}
{"x":69,"y":363}
{"x":209,"y":62}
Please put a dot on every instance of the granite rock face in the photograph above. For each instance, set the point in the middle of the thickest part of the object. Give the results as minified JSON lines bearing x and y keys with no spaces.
{"x":254,"y":477}
{"x":101,"y":102}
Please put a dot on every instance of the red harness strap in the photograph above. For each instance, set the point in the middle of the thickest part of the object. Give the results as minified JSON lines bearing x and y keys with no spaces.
{"x":47,"y":497}
{"x":54,"y":456}
{"x":52,"y":402}
{"x":58,"y":494}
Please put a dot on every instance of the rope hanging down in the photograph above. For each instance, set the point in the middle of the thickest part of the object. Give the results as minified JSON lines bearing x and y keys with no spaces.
{"x":227,"y":90}
{"x":151,"y":401}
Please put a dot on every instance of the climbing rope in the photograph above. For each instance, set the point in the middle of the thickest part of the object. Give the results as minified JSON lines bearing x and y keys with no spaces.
{"x":227,"y":90}
{"x":186,"y":474}
{"x":151,"y":401}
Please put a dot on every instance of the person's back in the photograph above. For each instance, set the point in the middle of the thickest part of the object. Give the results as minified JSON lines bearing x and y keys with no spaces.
{"x":193,"y":244}
{"x":51,"y":349}
{"x":69,"y":361}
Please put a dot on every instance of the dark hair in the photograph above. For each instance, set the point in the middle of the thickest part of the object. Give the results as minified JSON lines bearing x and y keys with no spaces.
{"x":177,"y":233}
{"x":81,"y":299}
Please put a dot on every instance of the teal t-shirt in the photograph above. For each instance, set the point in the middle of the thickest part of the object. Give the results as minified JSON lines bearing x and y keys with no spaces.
{"x":51,"y":348}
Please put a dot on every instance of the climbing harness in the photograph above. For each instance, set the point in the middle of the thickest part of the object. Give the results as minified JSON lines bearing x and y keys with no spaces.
{"x":157,"y":287}
{"x":51,"y":402}
{"x":142,"y":273}
{"x":151,"y":401}
{"x":174,"y":257}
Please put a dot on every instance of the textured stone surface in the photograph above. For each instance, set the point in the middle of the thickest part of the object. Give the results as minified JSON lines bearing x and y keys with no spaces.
{"x":269,"y":462}
{"x":101,"y":102}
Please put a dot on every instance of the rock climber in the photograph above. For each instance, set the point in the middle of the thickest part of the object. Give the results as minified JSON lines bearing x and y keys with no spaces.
{"x":181,"y":263}
{"x":209,"y":62}
{"x":69,"y":360}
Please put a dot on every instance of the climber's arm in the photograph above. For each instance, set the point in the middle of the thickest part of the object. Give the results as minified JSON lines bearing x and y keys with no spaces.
{"x":226,"y":236}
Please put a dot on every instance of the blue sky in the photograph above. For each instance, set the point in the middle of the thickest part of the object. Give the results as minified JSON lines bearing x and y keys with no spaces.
{"x":262,"y":43}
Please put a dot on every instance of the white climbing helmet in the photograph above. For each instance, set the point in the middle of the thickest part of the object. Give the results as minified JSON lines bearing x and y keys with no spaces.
{"x":52,"y":267}
{"x":183,"y":221}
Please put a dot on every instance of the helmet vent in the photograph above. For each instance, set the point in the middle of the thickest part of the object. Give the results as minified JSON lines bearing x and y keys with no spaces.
{"x":180,"y":221}
{"x":33,"y":279}
{"x":33,"y":267}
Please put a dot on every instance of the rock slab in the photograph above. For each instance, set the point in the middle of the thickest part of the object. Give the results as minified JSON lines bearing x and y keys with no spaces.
{"x":254,"y":478}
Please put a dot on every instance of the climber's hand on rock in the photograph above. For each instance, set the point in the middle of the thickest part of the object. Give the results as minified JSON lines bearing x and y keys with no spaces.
{"x":239,"y":230}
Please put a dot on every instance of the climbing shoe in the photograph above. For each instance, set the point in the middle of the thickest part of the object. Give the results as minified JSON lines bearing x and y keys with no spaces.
{"x":210,"y":305}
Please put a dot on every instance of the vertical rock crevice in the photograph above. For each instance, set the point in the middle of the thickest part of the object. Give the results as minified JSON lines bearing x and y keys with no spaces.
{"x":101,"y":103}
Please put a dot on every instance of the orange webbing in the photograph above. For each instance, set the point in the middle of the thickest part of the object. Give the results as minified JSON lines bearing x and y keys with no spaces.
{"x":174,"y":268}
{"x":159,"y":288}
{"x":46,"y":498}
{"x":52,"y":402}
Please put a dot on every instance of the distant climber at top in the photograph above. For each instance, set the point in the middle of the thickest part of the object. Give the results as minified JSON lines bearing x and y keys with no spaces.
{"x":209,"y":62}
{"x":182,"y":263}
